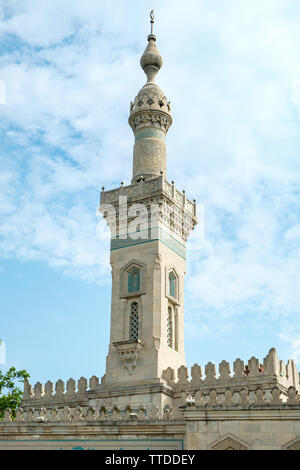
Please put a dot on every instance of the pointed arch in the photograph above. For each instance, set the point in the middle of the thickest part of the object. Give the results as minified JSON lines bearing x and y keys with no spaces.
{"x":172,"y":284}
{"x":293,"y":445}
{"x":229,"y":442}
{"x":132,"y":279}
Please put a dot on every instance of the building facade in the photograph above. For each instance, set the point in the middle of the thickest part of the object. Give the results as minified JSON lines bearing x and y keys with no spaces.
{"x":147,"y":398}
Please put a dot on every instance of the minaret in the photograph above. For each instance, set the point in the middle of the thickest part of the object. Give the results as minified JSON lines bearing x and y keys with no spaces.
{"x":150,"y":221}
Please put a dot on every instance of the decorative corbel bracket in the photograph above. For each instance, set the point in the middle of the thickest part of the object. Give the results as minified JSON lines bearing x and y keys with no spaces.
{"x":129,"y":352}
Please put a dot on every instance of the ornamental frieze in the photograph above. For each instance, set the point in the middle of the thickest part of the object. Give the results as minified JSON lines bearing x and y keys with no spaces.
{"x":153,"y":118}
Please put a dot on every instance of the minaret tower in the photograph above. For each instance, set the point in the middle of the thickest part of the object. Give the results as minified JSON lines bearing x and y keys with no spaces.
{"x":150,"y":221}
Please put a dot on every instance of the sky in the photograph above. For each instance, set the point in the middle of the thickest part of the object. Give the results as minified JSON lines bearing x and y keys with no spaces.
{"x":68,"y":71}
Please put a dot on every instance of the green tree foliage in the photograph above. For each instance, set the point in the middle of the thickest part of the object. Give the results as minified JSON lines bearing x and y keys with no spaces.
{"x":10,"y":394}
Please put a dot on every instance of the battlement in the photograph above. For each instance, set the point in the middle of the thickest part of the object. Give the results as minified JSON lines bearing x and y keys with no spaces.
{"x":229,"y":399}
{"x":238,"y":400}
{"x":60,"y":394}
{"x":267,"y":374}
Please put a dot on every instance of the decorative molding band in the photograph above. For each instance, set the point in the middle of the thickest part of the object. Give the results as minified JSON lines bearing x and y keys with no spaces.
{"x":153,"y":118}
{"x":100,"y":415}
{"x":147,"y":236}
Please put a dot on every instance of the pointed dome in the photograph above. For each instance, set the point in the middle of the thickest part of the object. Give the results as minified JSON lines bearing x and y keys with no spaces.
{"x":151,"y":61}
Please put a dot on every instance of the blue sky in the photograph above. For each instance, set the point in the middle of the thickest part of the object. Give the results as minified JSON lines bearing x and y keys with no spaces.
{"x":232,"y":72}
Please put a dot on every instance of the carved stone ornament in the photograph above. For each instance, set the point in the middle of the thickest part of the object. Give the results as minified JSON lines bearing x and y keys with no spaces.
{"x":196,"y":374}
{"x":157,"y":261}
{"x":152,"y":118}
{"x":229,"y":443}
{"x":293,"y":445}
{"x":169,"y":375}
{"x":129,"y":352}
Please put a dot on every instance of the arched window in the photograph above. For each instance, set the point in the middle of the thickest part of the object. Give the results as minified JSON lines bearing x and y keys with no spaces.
{"x":134,"y":280}
{"x":134,"y":322}
{"x":172,"y":284}
{"x":170,"y":328}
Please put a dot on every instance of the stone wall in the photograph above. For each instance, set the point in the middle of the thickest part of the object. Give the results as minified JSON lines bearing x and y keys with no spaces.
{"x":211,"y":425}
{"x":252,"y":429}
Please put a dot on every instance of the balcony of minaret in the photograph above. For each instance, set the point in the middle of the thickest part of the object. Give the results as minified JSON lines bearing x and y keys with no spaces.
{"x":164,"y":204}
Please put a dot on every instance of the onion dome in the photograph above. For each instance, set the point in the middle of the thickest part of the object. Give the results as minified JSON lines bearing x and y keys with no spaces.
{"x":151,"y":97}
{"x":151,"y":61}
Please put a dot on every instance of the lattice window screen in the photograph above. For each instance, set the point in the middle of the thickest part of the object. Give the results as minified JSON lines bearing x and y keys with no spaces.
{"x":170,"y":328}
{"x":134,"y":321}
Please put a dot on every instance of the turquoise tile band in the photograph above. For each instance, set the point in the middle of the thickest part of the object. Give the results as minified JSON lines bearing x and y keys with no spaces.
{"x":146,"y":133}
{"x":147,"y":236}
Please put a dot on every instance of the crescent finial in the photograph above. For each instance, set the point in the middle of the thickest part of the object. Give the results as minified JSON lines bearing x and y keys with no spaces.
{"x":152,"y":20}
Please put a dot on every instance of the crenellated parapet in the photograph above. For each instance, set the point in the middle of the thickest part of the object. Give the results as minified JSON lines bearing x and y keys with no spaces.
{"x":59,"y":393}
{"x":242,"y":398}
{"x":268,"y":374}
{"x":211,"y":399}
{"x":270,"y":381}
